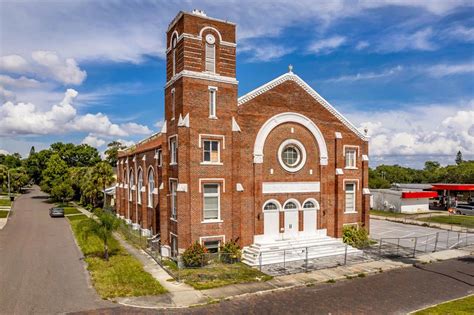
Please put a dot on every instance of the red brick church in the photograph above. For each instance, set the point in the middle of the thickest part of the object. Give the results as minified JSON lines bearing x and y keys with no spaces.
{"x":279,"y":165}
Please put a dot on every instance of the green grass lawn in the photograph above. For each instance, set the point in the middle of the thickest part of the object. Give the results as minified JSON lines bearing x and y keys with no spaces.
{"x":122,"y":275}
{"x":5,"y":202}
{"x":217,"y":275}
{"x":461,"y":220}
{"x":3,"y":214}
{"x":71,"y":210}
{"x":461,"y":306}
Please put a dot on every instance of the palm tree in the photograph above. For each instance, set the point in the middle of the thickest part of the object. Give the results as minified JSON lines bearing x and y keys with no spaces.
{"x":102,"y":226}
{"x":104,"y":176}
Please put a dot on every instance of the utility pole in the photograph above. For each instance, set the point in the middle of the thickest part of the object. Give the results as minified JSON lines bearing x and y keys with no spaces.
{"x":9,"y":191}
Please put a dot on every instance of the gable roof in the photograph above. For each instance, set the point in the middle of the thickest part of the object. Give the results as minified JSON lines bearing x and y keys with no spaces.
{"x":290,"y":76}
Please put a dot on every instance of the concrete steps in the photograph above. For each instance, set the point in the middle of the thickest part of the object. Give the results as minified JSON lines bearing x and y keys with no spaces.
{"x":293,"y":250}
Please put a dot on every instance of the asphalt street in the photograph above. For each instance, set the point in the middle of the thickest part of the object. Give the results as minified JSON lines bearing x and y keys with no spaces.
{"x":41,"y":271}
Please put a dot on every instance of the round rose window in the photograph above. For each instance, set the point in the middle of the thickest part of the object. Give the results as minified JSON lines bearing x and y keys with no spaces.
{"x":292,"y":155}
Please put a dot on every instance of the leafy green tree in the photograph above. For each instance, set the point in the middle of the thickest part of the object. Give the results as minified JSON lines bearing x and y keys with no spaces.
{"x":18,"y":178}
{"x":459,"y":159}
{"x":10,"y":160}
{"x":62,"y":191}
{"x":32,"y":150}
{"x":102,"y":227}
{"x":105,"y":176}
{"x":76,"y":155}
{"x":56,"y":172}
{"x":36,"y":163}
{"x":112,"y":152}
{"x":3,"y":178}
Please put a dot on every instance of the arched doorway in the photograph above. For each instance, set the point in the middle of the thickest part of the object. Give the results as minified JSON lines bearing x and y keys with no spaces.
{"x":271,"y":219}
{"x":310,"y":207}
{"x":291,"y":208}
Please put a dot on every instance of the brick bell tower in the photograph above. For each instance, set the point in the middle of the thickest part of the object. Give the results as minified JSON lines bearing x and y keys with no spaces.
{"x":200,"y":130}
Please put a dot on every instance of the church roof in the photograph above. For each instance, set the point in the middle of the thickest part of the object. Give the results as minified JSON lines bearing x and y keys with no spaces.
{"x":290,"y":76}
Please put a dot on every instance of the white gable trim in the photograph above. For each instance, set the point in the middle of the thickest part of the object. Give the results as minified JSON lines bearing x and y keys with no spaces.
{"x":293,"y":77}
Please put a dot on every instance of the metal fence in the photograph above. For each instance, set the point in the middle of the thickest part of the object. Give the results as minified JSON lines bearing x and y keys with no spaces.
{"x":175,"y":265}
{"x":413,"y":246}
{"x":297,"y":260}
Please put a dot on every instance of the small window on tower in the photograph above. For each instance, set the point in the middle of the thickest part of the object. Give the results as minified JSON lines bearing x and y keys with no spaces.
{"x":210,"y":53}
{"x":174,"y":55}
{"x":212,"y":103}
{"x":211,"y":151}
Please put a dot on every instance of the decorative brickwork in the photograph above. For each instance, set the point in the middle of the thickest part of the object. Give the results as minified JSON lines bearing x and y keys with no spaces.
{"x":297,"y":156}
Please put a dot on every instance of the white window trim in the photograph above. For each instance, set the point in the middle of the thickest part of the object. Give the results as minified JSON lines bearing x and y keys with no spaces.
{"x":159,"y":156}
{"x":173,"y":103}
{"x":276,"y":202}
{"x":205,"y":136}
{"x":174,"y":42}
{"x":211,"y":181}
{"x":213,"y":57}
{"x":356,"y":184}
{"x":316,"y":204}
{"x":357,"y":149}
{"x":298,"y":205}
{"x":218,"y":153}
{"x":150,"y":191}
{"x":175,"y":218}
{"x":218,"y":220}
{"x":203,"y":238}
{"x":175,"y":162}
{"x":212,"y":101}
{"x":139,"y":187}
{"x":302,"y":151}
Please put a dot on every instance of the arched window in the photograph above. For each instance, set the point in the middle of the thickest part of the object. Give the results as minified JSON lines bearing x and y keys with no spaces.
{"x":140,"y":185}
{"x":309,"y":205}
{"x":151,"y":187}
{"x":270,"y":206}
{"x":131,"y":182}
{"x":173,"y":52}
{"x":291,"y":205}
{"x":210,"y":53}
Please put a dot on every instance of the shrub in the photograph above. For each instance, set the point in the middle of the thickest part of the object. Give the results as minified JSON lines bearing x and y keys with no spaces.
{"x":355,"y":236}
{"x":194,"y":256}
{"x":230,"y":252}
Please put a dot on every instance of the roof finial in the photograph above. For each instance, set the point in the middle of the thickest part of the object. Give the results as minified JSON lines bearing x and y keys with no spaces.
{"x":290,"y":68}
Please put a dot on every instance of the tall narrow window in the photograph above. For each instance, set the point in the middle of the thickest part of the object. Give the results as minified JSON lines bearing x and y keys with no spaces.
{"x":131,"y":183}
{"x":159,"y":157}
{"x":211,"y":151}
{"x":151,"y":187}
{"x":211,"y":209}
{"x":140,"y":186}
{"x":173,"y":151}
{"x":212,"y":103}
{"x":351,"y":154}
{"x":210,"y":53}
{"x":173,"y":48}
{"x":350,"y":197}
{"x":173,"y":186}
{"x":173,"y":104}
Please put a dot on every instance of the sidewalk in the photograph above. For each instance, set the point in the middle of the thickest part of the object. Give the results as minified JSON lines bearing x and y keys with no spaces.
{"x":448,"y":227}
{"x":181,"y":295}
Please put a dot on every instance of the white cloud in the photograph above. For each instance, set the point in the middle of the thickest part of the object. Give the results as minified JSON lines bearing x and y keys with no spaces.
{"x":93,"y":141}
{"x":265,"y":52}
{"x":62,"y":70}
{"x":13,"y":63}
{"x":126,"y":142}
{"x":420,"y":130}
{"x":4,"y":152}
{"x":326,"y":45}
{"x":21,"y":82}
{"x":27,"y":119}
{"x":362,"y":45}
{"x":443,"y":70}
{"x":420,"y":40}
{"x":367,"y":75}
{"x":460,"y":32}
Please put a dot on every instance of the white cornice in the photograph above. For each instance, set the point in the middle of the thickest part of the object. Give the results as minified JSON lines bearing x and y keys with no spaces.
{"x":290,"y":76}
{"x":202,"y":76}
{"x":181,"y":13}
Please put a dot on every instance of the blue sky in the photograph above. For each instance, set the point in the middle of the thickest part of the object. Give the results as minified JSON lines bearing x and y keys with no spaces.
{"x":92,"y":72}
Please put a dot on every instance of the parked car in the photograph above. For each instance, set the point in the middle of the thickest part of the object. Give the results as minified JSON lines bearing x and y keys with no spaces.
{"x":465,"y":209}
{"x":56,"y":212}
